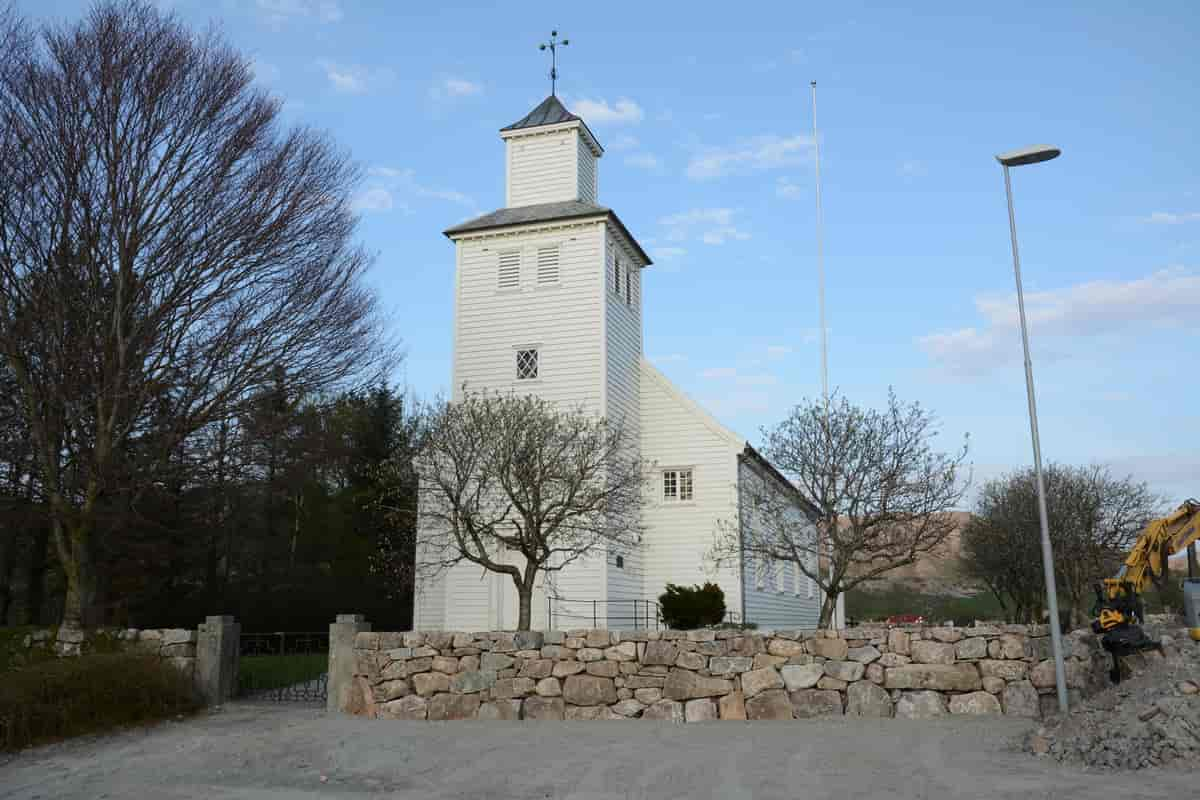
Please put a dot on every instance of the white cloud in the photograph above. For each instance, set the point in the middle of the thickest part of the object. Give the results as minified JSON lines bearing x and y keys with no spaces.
{"x":1166,"y":297}
{"x":599,"y":112}
{"x":394,"y":182}
{"x":276,"y":13}
{"x":749,"y":155}
{"x":623,"y":142}
{"x":713,"y":225}
{"x":643,"y":161}
{"x":667,"y":253}
{"x":451,"y":88}
{"x":787,"y":189}
{"x":1168,"y":218}
{"x":374,"y":199}
{"x":355,"y":78}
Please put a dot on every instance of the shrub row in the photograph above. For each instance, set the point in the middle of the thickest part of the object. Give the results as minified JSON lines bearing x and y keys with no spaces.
{"x":72,"y":696}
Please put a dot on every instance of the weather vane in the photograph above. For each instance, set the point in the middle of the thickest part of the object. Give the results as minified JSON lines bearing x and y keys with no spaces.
{"x":553,"y":45}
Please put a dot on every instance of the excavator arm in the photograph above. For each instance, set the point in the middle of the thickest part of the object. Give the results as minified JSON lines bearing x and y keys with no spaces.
{"x":1118,"y":610}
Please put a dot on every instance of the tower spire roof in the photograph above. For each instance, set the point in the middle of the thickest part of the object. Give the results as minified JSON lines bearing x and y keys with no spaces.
{"x":550,"y":111}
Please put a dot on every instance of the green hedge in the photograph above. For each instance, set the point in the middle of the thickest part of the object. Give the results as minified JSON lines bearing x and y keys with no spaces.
{"x":89,"y":694}
{"x":689,"y":607}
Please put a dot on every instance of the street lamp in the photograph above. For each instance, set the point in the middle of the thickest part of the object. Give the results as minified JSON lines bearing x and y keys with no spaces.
{"x":1017,"y":158}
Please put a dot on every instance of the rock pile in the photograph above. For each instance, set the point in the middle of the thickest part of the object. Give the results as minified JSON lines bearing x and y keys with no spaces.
{"x":693,"y":676}
{"x":1150,"y":719}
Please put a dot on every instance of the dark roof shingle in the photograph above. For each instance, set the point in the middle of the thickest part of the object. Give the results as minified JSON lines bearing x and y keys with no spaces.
{"x":543,"y":212}
{"x":550,"y":111}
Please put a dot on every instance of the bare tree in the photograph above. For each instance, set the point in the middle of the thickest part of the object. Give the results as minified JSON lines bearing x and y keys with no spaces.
{"x":873,"y":496}
{"x":521,"y":488}
{"x":164,"y":248}
{"x":1094,"y":519}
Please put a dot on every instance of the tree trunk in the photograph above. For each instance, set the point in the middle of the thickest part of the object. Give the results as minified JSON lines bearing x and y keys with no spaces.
{"x":8,"y":558}
{"x":828,"y":606}
{"x":525,"y":600}
{"x":75,"y":554}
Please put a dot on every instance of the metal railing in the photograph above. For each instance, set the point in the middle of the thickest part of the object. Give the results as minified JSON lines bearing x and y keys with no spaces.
{"x":563,"y":613}
{"x":284,"y":643}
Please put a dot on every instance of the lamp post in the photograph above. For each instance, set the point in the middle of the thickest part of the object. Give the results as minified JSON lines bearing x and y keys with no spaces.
{"x":1017,"y":158}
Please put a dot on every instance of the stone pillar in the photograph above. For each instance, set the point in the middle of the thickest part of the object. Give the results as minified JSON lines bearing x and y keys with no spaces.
{"x":341,"y":658}
{"x":217,"y":659}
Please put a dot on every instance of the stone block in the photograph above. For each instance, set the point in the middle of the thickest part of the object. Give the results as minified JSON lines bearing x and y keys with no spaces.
{"x":509,"y":688}
{"x":975,"y":703}
{"x":528,"y":640}
{"x":863,"y":655}
{"x":427,"y":684}
{"x":691,"y":661}
{"x":993,"y":685}
{"x":552,"y":637}
{"x":536,"y":668}
{"x":408,"y":707}
{"x":453,"y":706}
{"x":562,"y":669}
{"x":471,"y":682}
{"x":548,"y":687}
{"x":702,"y":710}
{"x":504,"y":643}
{"x":704,"y":635}
{"x":771,"y":704}
{"x":660,"y":652}
{"x":962,"y":677}
{"x":732,"y":706}
{"x":469,"y":664}
{"x":543,"y":708}
{"x":970,"y":649}
{"x":801,"y":676}
{"x":413,"y":638}
{"x":391,"y":690}
{"x":893,"y":660}
{"x":746,"y":646}
{"x":665,"y":711}
{"x":931,"y":652}
{"x":874,"y":673}
{"x":765,"y":661}
{"x":1020,"y":699}
{"x":589,"y":690}
{"x":1012,"y":646}
{"x":182,"y":650}
{"x":809,"y":703}
{"x":947,"y":635}
{"x":647,"y":696}
{"x":603,"y":669}
{"x":589,"y":654}
{"x":362,"y":641}
{"x":446,"y":664}
{"x":574,"y":643}
{"x":866,"y":699}
{"x":425,"y":651}
{"x":589,"y":713}
{"x":785,"y":648}
{"x":645,"y":681}
{"x":398,"y":653}
{"x":682,"y":684}
{"x":1008,"y":670}
{"x":836,"y":684}
{"x":898,"y":643}
{"x":921,"y":705}
{"x":848,"y":671}
{"x":835,"y":649}
{"x":625,"y":651}
{"x":726,"y":666}
{"x":598,"y":638}
{"x":628,"y":708}
{"x":178,"y":636}
{"x":507,"y":710}
{"x":760,"y":680}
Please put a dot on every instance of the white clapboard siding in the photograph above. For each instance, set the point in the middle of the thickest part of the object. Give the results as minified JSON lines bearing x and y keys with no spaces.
{"x":542,"y":167}
{"x":586,"y":163}
{"x":773,"y":598}
{"x":677,"y":433}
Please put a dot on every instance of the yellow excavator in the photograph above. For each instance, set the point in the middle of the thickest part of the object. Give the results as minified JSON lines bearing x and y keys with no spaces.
{"x":1119,"y":611}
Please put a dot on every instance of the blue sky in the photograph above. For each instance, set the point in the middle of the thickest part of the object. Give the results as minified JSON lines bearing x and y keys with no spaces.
{"x":705,"y":113}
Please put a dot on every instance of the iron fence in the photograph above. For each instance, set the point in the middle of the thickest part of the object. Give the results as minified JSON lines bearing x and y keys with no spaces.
{"x":284,"y":666}
{"x":563,"y":613}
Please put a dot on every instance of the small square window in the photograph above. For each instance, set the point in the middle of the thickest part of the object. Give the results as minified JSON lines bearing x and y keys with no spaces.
{"x":677,"y":485}
{"x":685,"y":484}
{"x":527,"y":365}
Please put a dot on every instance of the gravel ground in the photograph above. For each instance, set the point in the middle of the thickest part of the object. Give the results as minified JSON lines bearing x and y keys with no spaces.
{"x":1151,"y":720}
{"x":275,"y":752}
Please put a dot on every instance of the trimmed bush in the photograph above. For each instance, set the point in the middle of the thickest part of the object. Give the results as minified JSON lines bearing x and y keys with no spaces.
{"x":89,"y":694}
{"x":688,"y":607}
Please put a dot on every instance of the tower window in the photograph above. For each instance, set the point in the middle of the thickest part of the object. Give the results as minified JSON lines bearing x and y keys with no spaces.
{"x":527,"y":365}
{"x":510,"y":270}
{"x":628,"y":289}
{"x":617,"y":276}
{"x":547,"y":264}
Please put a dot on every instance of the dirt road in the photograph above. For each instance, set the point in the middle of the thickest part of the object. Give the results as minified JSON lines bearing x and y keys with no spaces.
{"x":277,"y":752}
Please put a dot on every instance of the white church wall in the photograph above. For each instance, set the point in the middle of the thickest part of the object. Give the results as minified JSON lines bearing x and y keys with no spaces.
{"x":585,"y":162}
{"x":678,"y":434}
{"x":776,"y":595}
{"x":542,"y":166}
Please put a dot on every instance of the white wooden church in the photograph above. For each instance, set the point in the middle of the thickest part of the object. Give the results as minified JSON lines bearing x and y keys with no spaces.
{"x":548,"y":299}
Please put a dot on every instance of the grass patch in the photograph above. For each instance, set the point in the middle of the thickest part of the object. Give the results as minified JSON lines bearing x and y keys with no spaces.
{"x":261,"y":673}
{"x":66,"y":697}
{"x":879,"y":605}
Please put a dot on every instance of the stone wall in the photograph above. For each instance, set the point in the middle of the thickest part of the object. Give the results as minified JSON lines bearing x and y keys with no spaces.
{"x":703,"y":675}
{"x":175,"y":644}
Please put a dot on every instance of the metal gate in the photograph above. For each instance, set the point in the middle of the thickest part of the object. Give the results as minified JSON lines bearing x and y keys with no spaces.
{"x":284,"y":667}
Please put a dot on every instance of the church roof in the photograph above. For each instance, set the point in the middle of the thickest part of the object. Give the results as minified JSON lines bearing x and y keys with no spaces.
{"x":544,"y":212}
{"x":550,"y":111}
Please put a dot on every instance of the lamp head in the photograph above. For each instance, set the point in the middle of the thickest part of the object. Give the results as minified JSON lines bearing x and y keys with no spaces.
{"x":1028,"y":155}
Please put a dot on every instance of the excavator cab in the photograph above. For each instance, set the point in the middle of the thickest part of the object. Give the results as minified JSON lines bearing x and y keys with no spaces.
{"x":1119,"y":614}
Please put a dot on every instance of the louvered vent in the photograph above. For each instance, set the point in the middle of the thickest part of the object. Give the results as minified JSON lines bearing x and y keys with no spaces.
{"x":510,"y":270}
{"x":547,"y":264}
